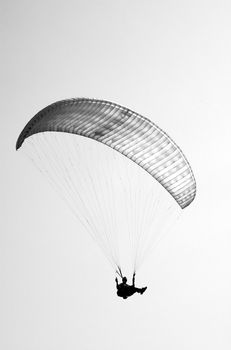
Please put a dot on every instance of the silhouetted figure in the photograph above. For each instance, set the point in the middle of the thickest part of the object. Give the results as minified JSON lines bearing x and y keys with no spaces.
{"x":124,"y":290}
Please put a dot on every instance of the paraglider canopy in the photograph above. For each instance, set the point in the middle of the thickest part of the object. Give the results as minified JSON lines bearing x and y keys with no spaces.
{"x":127,"y":132}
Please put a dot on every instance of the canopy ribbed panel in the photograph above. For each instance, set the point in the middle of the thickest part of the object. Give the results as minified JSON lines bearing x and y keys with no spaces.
{"x":129,"y":133}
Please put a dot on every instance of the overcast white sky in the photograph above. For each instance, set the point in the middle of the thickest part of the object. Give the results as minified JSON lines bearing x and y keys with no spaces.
{"x":170,"y":61}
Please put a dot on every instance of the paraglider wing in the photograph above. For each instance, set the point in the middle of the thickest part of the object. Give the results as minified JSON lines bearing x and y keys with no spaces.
{"x":127,"y":132}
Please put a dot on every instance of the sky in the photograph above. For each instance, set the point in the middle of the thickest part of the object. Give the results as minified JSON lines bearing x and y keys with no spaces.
{"x":171,"y":62}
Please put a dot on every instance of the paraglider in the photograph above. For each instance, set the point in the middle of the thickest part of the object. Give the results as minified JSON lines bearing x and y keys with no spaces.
{"x":126,"y":194}
{"x":124,"y":290}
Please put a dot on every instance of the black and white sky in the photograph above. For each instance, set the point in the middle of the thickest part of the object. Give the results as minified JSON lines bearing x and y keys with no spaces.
{"x":170,"y":61}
